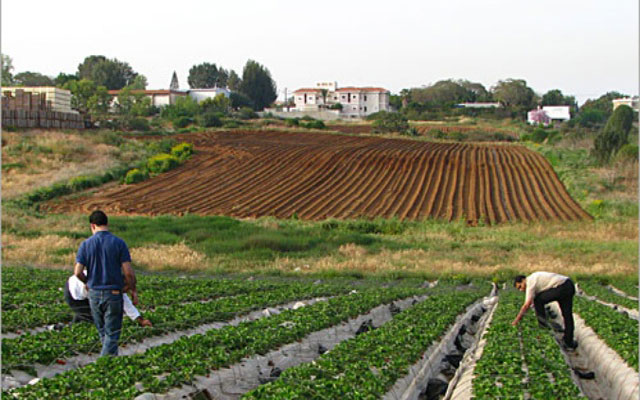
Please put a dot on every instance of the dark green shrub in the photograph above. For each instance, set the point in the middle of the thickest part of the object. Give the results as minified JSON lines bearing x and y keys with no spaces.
{"x":134,"y":176}
{"x":412,"y":131}
{"x":182,"y":122}
{"x":539,"y":135}
{"x":83,"y":182}
{"x":162,"y":163}
{"x":458,"y":136}
{"x":292,"y":121}
{"x":247,"y":113}
{"x":210,"y":120}
{"x":307,"y":118}
{"x":231,"y":124}
{"x":138,"y":124}
{"x":390,"y":122}
{"x":614,"y":135}
{"x":628,"y":152}
{"x":315,"y":124}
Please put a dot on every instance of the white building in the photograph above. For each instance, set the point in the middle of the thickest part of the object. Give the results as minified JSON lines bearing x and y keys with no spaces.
{"x":163,"y":97}
{"x":356,"y":102}
{"x":203,"y":94}
{"x":548,"y":114}
{"x":633,"y":102}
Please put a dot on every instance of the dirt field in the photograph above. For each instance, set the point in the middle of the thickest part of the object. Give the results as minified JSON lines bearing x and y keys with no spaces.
{"x":315,"y":176}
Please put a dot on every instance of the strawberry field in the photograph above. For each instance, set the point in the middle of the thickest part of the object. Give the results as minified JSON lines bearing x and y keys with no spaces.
{"x":280,"y":337}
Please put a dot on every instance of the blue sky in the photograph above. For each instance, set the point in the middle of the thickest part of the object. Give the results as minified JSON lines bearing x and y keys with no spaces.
{"x":585,"y":48}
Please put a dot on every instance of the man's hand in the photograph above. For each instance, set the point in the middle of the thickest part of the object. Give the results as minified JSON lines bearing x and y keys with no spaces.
{"x":144,"y":322}
{"x":515,"y":322}
{"x":134,"y":297}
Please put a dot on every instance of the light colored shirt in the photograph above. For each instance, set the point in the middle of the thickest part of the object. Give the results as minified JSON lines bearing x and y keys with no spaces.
{"x":78,"y":291}
{"x":541,"y":281}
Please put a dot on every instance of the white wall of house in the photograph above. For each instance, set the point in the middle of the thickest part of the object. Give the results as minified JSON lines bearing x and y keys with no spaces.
{"x":203,"y":94}
{"x":356,"y":102}
{"x":558,"y":112}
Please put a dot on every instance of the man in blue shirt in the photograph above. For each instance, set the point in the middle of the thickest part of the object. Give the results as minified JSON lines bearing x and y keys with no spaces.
{"x":109,"y":274}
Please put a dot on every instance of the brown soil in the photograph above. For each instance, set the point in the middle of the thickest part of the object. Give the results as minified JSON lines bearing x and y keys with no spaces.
{"x":317,"y":176}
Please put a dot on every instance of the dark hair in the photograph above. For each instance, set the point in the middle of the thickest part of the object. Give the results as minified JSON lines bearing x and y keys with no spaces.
{"x":98,"y":218}
{"x":519,"y":279}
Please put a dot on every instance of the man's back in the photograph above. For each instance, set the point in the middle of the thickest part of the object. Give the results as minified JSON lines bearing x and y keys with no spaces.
{"x":103,"y":255}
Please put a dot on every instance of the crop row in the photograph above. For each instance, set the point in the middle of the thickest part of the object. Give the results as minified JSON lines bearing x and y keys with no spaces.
{"x":153,"y":290}
{"x":166,"y":366}
{"x":31,"y":315}
{"x":605,"y":294}
{"x":500,"y":374}
{"x":48,"y":346}
{"x":618,"y":331}
{"x":368,"y":365}
{"x":321,"y":176}
{"x":628,"y":286}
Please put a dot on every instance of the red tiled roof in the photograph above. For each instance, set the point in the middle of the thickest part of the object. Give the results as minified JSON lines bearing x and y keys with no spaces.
{"x":361,"y":89}
{"x":303,"y":90}
{"x":159,"y":91}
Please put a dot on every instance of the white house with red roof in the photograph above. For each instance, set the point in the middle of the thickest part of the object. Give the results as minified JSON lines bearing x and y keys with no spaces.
{"x":354,"y":102}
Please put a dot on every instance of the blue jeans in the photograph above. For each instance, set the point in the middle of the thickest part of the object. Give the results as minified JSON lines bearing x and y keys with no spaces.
{"x":106,"y":309}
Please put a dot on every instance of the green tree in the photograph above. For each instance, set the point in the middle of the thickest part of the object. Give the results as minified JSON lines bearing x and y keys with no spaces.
{"x":7,"y":68}
{"x":480,"y":93}
{"x":257,"y":85}
{"x":234,"y":81}
{"x":28,"y":78}
{"x":132,"y":104}
{"x":602,"y":103}
{"x":89,"y":99}
{"x":63,"y":78}
{"x":218,"y":104}
{"x":614,"y":135}
{"x":442,"y":94}
{"x":110,"y":73}
{"x":514,"y":93}
{"x":239,"y":100}
{"x":139,"y":82}
{"x":387,"y":122}
{"x":207,"y":75}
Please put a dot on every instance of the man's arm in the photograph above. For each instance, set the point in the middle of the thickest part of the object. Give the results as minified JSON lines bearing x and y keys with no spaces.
{"x":523,"y":310}
{"x":78,"y":271}
{"x":130,"y":281}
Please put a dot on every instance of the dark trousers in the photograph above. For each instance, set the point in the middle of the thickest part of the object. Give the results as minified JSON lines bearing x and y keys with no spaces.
{"x":81,"y":309}
{"x":563,"y":294}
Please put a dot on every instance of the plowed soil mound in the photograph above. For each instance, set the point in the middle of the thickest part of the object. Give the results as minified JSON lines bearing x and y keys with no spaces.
{"x":316,"y":176}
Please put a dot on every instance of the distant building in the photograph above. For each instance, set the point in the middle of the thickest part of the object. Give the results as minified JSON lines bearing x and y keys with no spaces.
{"x":356,"y":102}
{"x":549,"y":114}
{"x":159,"y":98}
{"x":164,"y":97}
{"x":633,"y":102}
{"x":478,"y":105}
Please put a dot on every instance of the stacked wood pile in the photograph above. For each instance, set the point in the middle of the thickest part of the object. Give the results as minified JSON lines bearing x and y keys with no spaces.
{"x":33,"y":110}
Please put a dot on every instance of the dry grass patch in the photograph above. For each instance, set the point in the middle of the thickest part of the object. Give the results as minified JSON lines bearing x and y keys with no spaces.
{"x":44,"y":250}
{"x":159,"y":257}
{"x":50,"y":156}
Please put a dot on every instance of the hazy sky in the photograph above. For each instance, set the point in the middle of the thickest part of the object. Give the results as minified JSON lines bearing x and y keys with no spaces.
{"x":583,"y":47}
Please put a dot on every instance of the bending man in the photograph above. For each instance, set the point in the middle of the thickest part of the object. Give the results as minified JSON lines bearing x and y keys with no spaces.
{"x":542,"y":288}
{"x":77,"y":297}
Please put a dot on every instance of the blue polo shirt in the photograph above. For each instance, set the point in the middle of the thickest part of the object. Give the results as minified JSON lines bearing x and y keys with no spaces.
{"x":103,"y":254}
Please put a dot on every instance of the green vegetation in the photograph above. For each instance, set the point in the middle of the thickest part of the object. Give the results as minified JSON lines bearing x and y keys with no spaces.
{"x":617,"y":330}
{"x":499,"y":373}
{"x":603,"y":293}
{"x":386,"y":122}
{"x":614,"y":135}
{"x":370,"y":364}
{"x":169,"y":365}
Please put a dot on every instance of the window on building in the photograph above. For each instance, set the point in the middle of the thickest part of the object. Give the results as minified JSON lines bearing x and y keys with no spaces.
{"x":365,"y":108}
{"x":365,"y":98}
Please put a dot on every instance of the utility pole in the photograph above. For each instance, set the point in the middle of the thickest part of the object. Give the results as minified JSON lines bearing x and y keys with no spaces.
{"x":286,"y":102}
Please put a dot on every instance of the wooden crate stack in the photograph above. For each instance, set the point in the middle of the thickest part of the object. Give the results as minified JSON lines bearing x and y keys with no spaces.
{"x":33,"y":110}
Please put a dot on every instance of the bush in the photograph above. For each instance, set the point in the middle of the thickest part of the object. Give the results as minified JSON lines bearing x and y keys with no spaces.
{"x":210,"y":120}
{"x":182,"y":151}
{"x":231,"y":124}
{"x":412,"y":131}
{"x":538,"y":135}
{"x":336,"y":106}
{"x":182,"y":122}
{"x":628,"y":152}
{"x":315,"y":124}
{"x":83,"y":182}
{"x":162,"y":163}
{"x":134,"y":176}
{"x":138,"y":124}
{"x":390,"y":122}
{"x":614,"y":135}
{"x":292,"y":121}
{"x":247,"y":113}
